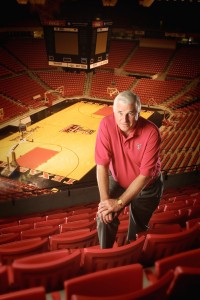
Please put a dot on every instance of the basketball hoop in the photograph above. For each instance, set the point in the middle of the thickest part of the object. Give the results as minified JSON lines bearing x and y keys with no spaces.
{"x":112,"y":91}
{"x":51,"y":95}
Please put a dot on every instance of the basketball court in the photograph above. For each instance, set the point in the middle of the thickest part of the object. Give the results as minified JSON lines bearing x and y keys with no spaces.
{"x":61,"y":146}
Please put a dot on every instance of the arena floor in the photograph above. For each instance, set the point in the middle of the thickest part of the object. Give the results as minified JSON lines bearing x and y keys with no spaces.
{"x":58,"y":149}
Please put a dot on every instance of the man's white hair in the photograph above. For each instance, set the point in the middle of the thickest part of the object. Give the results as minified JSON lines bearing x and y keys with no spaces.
{"x":128,"y":97}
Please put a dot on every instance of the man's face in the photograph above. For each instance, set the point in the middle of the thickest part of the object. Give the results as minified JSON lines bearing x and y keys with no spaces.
{"x":125,"y":116}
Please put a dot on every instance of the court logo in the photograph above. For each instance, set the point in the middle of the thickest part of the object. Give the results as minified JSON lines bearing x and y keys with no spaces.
{"x":73,"y":128}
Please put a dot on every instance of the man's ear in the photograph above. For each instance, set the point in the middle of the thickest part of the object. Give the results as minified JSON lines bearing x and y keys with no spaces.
{"x":136,"y":116}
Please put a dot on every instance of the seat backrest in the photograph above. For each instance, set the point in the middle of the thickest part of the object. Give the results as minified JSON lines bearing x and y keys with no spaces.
{"x":109,"y":282}
{"x":49,"y":269}
{"x":170,"y":216}
{"x":121,"y":236}
{"x":191,"y":222}
{"x":156,"y":291}
{"x":162,"y":228}
{"x":91,"y":224}
{"x":51,"y":222}
{"x":77,"y":217}
{"x":4,"y":281}
{"x":37,"y":293}
{"x":73,"y":241}
{"x":185,"y":283}
{"x":190,"y":258}
{"x":16,"y":228}
{"x":95,"y":259}
{"x":9,"y":237}
{"x":32,"y":219}
{"x":22,"y":248}
{"x":157,"y":246}
{"x":44,"y":231}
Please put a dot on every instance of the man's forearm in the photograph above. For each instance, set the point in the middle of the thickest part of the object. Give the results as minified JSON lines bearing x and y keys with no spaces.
{"x":134,"y":189}
{"x":103,"y":181}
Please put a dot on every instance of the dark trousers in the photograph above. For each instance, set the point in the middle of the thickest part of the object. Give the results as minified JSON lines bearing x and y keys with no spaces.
{"x":141,"y":209}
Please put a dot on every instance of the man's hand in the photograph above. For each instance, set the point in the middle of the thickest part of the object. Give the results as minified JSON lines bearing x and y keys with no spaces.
{"x":108,"y":210}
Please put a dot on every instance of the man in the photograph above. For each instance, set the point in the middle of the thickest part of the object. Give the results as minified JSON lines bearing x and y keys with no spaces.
{"x":128,"y":169}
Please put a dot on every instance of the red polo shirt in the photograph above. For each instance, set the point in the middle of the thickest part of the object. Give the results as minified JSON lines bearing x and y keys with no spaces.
{"x":131,"y":156}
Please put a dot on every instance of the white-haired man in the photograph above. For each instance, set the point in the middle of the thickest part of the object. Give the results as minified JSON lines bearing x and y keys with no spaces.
{"x":127,"y":156}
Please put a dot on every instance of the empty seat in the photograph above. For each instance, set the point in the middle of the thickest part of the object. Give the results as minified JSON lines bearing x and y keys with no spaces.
{"x":13,"y":250}
{"x":9,"y":237}
{"x":48,"y":269}
{"x":157,"y":246}
{"x":37,"y":293}
{"x":74,"y":240}
{"x":43,"y":232}
{"x":109,"y":282}
{"x":185,"y":284}
{"x":167,"y":217}
{"x":155,"y":291}
{"x":190,"y":258}
{"x":4,"y":280}
{"x":95,"y":258}
{"x":162,"y":228}
{"x":91,"y":224}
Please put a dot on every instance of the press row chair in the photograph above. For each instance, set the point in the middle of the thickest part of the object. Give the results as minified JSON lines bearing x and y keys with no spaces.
{"x":13,"y":250}
{"x":156,"y":291}
{"x":96,"y":259}
{"x":49,"y":269}
{"x":37,"y":293}
{"x":157,"y":246}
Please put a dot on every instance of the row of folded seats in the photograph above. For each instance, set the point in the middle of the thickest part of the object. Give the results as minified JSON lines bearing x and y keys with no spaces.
{"x":49,"y":258}
{"x":92,"y":272}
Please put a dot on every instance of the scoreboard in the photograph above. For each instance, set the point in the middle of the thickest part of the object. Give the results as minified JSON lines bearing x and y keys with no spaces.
{"x":77,"y":45}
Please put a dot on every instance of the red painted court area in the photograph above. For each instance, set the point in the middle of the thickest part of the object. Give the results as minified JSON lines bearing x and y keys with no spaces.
{"x":35,"y":157}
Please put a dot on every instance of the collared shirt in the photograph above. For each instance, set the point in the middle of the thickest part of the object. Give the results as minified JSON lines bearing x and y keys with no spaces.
{"x":130,"y":156}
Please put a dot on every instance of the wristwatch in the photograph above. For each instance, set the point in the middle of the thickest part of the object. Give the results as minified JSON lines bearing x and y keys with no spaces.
{"x":119,"y":201}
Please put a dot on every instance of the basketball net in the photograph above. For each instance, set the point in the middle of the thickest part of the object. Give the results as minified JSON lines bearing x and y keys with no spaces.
{"x":51,"y":95}
{"x":112,"y":91}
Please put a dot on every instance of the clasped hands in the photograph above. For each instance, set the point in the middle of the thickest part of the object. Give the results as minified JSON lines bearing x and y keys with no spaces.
{"x":108,"y":210}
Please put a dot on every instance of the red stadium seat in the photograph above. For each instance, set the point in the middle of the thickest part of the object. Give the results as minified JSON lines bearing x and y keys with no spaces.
{"x":9,"y":237}
{"x":4,"y":279}
{"x":95,"y":259}
{"x":110,"y":282}
{"x":36,"y":293}
{"x":190,"y":258}
{"x":156,"y":291}
{"x":185,"y":283}
{"x":157,"y":246}
{"x":18,"y":249}
{"x":74,"y":240}
{"x":49,"y":269}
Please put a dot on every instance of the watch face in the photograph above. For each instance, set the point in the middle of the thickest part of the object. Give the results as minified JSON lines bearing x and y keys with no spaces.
{"x":119,"y":201}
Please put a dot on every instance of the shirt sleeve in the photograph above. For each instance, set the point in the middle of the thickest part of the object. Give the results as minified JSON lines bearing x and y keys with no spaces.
{"x":150,"y":163}
{"x":102,"y":146}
